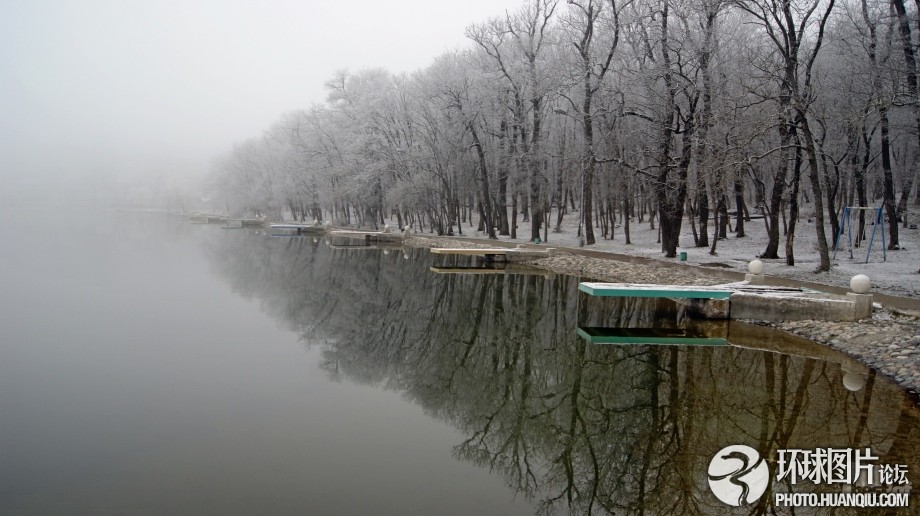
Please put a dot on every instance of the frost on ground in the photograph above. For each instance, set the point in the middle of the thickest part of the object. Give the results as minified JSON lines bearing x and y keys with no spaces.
{"x":891,"y":272}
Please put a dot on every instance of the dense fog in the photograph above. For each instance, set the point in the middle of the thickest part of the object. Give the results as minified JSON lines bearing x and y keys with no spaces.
{"x":130,"y":103}
{"x":680,"y":112}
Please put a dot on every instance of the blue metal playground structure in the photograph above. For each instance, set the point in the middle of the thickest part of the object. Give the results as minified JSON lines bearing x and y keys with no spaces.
{"x":878,"y":220}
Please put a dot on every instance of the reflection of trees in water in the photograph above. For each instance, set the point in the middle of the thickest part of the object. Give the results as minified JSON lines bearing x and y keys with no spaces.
{"x":579,"y":427}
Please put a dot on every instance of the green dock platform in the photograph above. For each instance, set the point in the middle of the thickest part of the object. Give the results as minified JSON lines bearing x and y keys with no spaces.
{"x":641,"y":290}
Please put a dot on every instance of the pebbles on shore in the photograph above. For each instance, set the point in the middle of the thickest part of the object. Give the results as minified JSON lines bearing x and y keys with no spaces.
{"x":889,"y":342}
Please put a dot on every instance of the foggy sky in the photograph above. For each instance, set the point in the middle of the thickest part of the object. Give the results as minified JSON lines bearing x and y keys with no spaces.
{"x":95,"y":89}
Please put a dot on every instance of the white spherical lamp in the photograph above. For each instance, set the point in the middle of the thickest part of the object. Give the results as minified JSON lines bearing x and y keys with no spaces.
{"x":853,"y":382}
{"x":860,"y":284}
{"x":755,"y":267}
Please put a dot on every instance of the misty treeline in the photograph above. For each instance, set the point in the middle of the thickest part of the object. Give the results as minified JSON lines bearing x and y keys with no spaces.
{"x":574,"y":427}
{"x":615,"y":112}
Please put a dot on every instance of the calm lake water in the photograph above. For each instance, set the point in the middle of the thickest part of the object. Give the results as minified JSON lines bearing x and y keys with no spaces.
{"x":152,"y":366}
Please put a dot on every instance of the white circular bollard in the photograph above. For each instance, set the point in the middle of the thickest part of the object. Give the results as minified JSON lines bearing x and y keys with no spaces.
{"x":860,"y":284}
{"x":755,"y":267}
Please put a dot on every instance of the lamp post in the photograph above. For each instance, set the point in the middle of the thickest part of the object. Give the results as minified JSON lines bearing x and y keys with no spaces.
{"x":581,"y":210}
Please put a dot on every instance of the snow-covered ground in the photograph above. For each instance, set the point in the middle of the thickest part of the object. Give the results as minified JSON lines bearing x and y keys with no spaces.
{"x":895,"y":274}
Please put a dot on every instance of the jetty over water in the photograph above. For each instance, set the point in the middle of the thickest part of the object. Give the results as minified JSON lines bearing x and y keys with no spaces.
{"x":645,"y":290}
{"x":747,"y":300}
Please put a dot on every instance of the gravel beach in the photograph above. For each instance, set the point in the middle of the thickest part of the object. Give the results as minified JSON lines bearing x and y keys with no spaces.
{"x":889,"y":342}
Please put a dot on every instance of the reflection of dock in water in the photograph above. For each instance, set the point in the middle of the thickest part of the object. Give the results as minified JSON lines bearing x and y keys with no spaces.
{"x":369,"y":237}
{"x":493,"y":268}
{"x":735,"y":333}
{"x":246,"y":223}
{"x":495,"y":254}
{"x":205,"y":218}
{"x":690,"y":336}
{"x":729,"y":333}
{"x":243,"y":223}
{"x":298,"y":229}
{"x":380,"y":246}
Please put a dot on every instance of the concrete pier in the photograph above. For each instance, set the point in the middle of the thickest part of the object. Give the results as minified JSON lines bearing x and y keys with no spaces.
{"x":751,"y":303}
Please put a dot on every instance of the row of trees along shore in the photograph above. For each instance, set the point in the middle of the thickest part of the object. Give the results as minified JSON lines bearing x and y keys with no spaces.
{"x":614,"y":112}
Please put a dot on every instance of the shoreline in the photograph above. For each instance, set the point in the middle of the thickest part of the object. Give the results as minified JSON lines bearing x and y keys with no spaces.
{"x":888,"y":342}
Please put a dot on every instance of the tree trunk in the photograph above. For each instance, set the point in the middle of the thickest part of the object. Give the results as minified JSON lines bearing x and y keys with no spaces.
{"x":814,"y":177}
{"x":514,"y":214}
{"x":739,"y":205}
{"x":503,"y":179}
{"x":793,"y":206}
{"x":486,"y":201}
{"x":717,"y":223}
{"x":891,"y":209}
{"x":626,"y":213}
